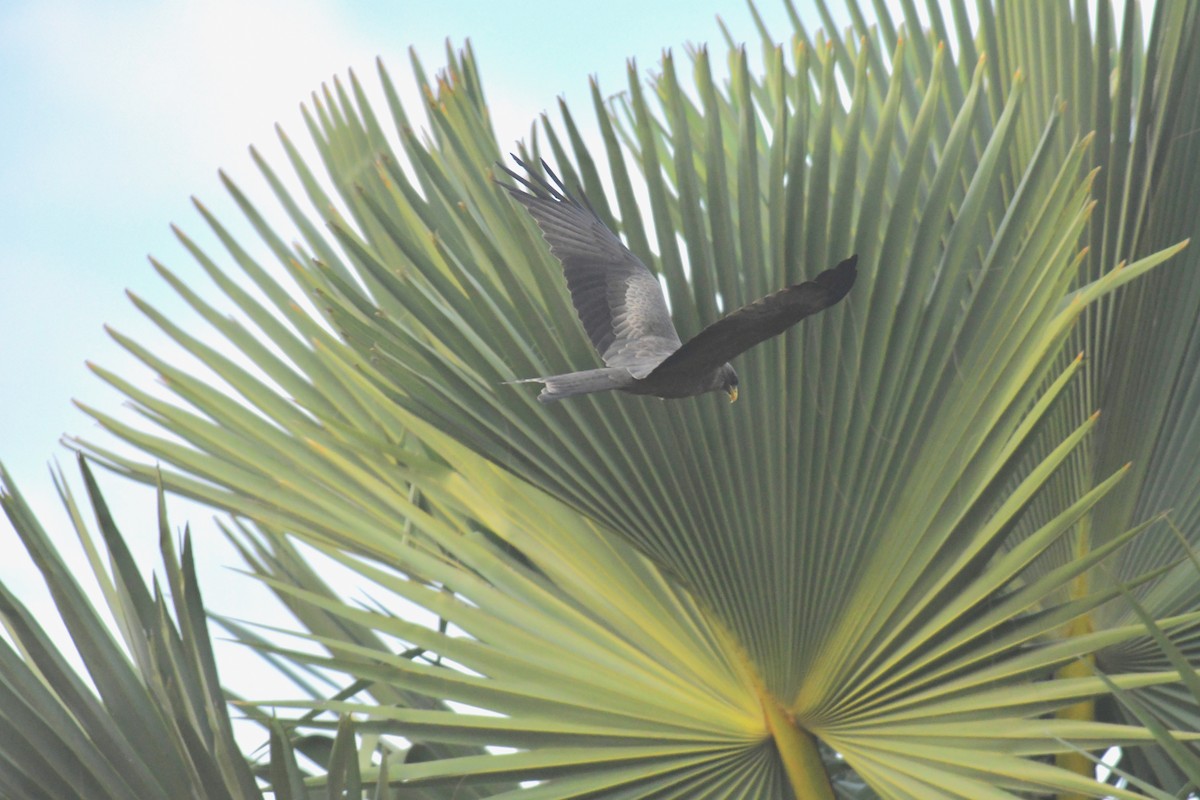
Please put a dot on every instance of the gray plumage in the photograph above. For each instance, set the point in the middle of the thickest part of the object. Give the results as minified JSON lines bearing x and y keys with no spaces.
{"x":622,"y":308}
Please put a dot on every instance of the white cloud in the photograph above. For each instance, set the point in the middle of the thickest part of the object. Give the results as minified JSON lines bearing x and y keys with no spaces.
{"x":160,"y":88}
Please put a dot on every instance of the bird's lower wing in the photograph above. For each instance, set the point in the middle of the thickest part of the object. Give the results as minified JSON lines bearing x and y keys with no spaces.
{"x":763,"y":319}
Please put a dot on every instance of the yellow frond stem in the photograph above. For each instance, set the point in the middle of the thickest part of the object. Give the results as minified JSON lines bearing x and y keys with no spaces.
{"x":1082,"y":668}
{"x":798,"y":751}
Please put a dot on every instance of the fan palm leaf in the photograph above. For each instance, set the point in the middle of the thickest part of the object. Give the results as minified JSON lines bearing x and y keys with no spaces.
{"x":682,"y":599}
{"x":150,"y":720}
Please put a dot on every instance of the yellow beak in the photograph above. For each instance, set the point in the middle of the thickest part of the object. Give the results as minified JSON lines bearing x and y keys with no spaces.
{"x":732,"y":392}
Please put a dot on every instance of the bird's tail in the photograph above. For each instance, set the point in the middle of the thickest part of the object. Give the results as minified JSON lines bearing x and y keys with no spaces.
{"x":558,"y":387}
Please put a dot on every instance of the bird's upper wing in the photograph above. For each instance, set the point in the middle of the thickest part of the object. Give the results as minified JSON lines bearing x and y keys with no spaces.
{"x":752,"y":324}
{"x":618,"y":300}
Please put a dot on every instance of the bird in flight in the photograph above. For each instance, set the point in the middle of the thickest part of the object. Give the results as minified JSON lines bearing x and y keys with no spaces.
{"x":622,"y":308}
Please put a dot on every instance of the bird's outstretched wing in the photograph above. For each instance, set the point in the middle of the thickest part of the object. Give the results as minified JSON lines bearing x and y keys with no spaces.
{"x":769,"y":316}
{"x":618,"y":300}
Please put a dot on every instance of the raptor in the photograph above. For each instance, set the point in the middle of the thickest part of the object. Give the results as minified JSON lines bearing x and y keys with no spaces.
{"x":623,"y":310}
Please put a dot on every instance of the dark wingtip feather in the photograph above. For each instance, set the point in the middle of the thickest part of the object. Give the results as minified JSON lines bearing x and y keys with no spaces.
{"x":533,"y":189}
{"x":544,"y":185}
{"x":557,"y":181}
{"x":537,"y":186}
{"x":840,"y":279}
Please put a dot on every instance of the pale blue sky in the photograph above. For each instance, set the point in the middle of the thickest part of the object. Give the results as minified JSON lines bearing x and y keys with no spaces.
{"x":117,"y":112}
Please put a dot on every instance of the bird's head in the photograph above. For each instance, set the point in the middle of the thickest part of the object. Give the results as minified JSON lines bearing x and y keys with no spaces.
{"x":729,"y":382}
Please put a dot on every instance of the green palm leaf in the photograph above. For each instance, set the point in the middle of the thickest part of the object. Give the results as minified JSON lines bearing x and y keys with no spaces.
{"x":1138,"y":364}
{"x":151,"y":722}
{"x":681,"y":599}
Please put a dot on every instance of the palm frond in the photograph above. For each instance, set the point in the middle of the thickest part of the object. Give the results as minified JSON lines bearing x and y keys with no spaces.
{"x":150,"y":719}
{"x":870,"y":550}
